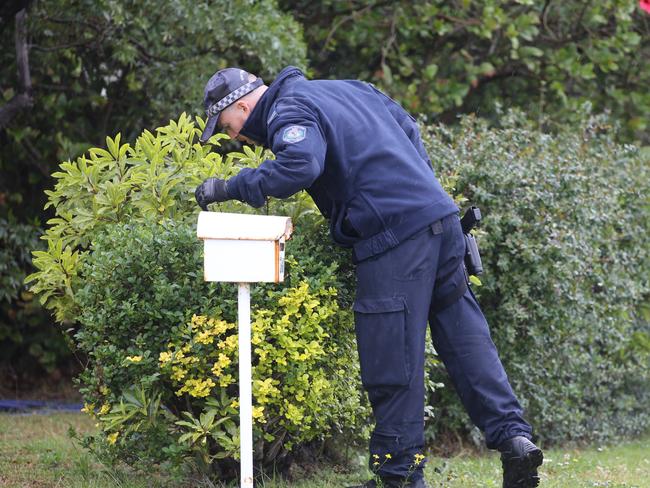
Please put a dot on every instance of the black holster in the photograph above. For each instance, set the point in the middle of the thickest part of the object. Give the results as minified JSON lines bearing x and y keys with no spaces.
{"x":472,"y":256}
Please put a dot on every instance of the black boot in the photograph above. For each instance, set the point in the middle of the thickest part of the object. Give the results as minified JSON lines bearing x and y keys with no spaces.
{"x":393,"y":483}
{"x":520,"y":459}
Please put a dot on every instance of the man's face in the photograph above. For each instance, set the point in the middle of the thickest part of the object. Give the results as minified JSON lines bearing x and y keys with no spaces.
{"x":233,"y":118}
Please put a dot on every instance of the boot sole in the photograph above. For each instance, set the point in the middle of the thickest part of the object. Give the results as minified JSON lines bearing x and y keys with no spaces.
{"x":522,"y":471}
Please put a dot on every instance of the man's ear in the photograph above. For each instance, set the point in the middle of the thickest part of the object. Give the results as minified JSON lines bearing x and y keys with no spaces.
{"x":243,"y":105}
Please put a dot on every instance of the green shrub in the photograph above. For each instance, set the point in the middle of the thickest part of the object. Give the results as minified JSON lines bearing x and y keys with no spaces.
{"x":123,"y":260}
{"x":565,"y":249}
{"x":150,"y":322}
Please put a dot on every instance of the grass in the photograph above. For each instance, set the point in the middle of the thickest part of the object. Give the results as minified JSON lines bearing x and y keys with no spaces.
{"x":35,"y":451}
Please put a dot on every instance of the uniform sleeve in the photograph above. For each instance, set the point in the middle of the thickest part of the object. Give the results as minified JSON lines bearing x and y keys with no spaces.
{"x":299,"y":147}
{"x":406,"y":122}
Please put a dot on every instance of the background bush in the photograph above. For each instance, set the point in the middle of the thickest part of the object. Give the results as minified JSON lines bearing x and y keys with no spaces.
{"x":24,"y":343}
{"x":442,"y":58}
{"x":566,"y":256}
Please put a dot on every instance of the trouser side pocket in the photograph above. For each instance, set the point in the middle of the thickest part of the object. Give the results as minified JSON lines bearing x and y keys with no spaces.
{"x":380,"y":325}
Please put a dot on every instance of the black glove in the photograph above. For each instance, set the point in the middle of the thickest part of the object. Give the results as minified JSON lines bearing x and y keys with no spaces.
{"x":210,"y":191}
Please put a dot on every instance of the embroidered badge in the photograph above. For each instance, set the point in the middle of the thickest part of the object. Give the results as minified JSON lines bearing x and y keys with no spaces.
{"x":294,"y":133}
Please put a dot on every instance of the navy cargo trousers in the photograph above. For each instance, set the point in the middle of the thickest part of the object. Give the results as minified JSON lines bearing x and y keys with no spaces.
{"x":396,"y":297}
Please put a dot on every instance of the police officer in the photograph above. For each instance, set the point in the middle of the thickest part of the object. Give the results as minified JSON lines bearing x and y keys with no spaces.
{"x":360,"y":157}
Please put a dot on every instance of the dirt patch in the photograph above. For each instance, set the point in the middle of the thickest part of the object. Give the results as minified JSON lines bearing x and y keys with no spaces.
{"x":54,"y":385}
{"x":451,"y":444}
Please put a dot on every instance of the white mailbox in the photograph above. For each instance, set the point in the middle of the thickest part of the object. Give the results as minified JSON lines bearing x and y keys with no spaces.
{"x":243,"y":248}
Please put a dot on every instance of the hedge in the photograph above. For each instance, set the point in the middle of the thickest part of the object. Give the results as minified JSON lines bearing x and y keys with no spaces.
{"x":567,"y":262}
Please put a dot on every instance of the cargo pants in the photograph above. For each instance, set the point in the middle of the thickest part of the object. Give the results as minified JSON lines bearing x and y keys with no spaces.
{"x":396,"y":297}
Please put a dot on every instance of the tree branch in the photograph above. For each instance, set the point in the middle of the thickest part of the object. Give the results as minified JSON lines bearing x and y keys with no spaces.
{"x":22,"y":53}
{"x":391,"y":39}
{"x":459,"y":21}
{"x":36,"y":160}
{"x":339,"y":23}
{"x":22,"y":100}
{"x":47,"y":49}
{"x":9,"y":110}
{"x":544,"y":18}
{"x":74,"y":22}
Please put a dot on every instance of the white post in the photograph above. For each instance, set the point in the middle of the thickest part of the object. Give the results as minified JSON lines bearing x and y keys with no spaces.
{"x":245,"y":386}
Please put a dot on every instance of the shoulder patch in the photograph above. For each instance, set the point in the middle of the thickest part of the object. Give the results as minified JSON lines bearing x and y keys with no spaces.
{"x":294,"y":133}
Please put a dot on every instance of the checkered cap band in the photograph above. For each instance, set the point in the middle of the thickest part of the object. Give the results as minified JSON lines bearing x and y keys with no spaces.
{"x":233,"y":96}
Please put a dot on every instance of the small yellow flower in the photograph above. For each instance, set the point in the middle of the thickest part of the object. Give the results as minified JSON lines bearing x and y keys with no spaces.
{"x":164,"y":357}
{"x":258,"y":412}
{"x":219,"y":327}
{"x":88,"y":408}
{"x":177,"y":373}
{"x":224,"y":361}
{"x":105,"y":409}
{"x":197,"y":388}
{"x":388,"y":456}
{"x":198,"y":320}
{"x":375,"y":456}
{"x":418,"y":458}
{"x":204,"y":337}
{"x":375,"y":463}
{"x":232,"y":341}
{"x":112,"y":438}
{"x":134,"y":359}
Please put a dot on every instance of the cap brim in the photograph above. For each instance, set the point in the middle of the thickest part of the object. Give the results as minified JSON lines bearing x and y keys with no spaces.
{"x":210,"y":126}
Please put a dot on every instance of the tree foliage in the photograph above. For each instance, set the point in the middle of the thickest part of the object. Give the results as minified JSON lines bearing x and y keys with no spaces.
{"x":72,"y":72}
{"x":24,"y":340}
{"x":444,"y":57}
{"x":99,"y":66}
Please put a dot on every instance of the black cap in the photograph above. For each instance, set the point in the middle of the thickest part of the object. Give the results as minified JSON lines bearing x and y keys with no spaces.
{"x":224,"y":88}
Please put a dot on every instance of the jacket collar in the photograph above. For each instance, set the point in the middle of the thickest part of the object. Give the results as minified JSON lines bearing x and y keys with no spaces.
{"x":255,"y":127}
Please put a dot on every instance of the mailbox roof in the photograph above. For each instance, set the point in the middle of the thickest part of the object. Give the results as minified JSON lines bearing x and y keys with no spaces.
{"x":231,"y":226}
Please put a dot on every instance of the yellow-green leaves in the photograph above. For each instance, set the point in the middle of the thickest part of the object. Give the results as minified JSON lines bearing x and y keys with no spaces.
{"x":291,"y":385}
{"x":150,"y":181}
{"x":57,"y":266}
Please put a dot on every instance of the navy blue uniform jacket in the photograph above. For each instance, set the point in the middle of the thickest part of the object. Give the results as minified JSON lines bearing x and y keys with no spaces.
{"x":356,"y":152}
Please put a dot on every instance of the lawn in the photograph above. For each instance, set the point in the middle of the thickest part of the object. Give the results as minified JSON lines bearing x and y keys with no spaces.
{"x":35,"y":451}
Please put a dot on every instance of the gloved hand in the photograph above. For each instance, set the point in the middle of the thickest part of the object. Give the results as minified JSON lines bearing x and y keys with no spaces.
{"x":210,"y":191}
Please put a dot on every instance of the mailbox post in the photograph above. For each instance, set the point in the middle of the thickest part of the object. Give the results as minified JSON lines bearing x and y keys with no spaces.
{"x":244,"y":249}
